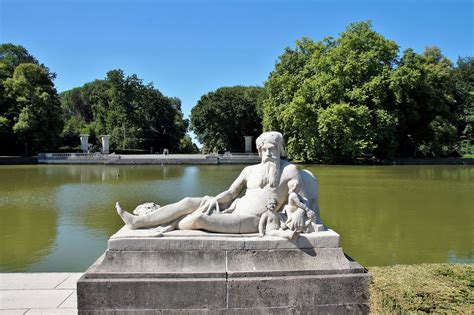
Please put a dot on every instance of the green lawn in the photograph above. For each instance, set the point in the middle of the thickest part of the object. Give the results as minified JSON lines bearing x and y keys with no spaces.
{"x":427,"y":288}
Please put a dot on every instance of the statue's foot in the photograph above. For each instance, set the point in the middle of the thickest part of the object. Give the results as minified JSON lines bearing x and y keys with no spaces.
{"x":126,"y":217}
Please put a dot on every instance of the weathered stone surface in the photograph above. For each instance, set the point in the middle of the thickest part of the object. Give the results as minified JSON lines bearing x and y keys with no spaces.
{"x":297,"y":292}
{"x":123,"y":294}
{"x":203,"y":273}
{"x":144,"y":240}
{"x":172,"y":263}
{"x":317,"y":309}
{"x":284,"y":262}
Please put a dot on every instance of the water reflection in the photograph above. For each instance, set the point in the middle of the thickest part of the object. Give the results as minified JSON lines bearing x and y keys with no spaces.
{"x":58,"y":218}
{"x":389,"y":215}
{"x":27,"y":237}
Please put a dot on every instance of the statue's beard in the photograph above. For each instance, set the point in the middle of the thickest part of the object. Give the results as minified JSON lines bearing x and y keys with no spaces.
{"x":271,"y":173}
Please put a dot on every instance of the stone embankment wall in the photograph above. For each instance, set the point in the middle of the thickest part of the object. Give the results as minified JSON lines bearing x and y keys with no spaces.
{"x":18,"y":160}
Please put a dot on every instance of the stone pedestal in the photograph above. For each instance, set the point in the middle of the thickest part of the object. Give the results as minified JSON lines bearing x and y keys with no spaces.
{"x":105,"y":143}
{"x":204,"y":273}
{"x":248,"y":144}
{"x":84,"y":143}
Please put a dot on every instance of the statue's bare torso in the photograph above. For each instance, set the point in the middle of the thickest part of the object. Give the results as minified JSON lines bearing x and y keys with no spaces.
{"x":255,"y":197}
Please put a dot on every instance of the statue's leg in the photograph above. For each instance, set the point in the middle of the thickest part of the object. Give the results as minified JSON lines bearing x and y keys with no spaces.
{"x":221,"y":223}
{"x":163,"y":215}
{"x":288,"y":234}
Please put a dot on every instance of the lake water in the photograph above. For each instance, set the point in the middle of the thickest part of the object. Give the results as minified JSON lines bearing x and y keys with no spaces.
{"x":59,"y":217}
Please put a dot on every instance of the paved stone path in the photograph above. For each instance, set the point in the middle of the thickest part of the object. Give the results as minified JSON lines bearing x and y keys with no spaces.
{"x":38,"y":293}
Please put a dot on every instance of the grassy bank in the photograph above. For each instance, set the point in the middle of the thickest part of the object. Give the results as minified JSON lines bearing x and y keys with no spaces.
{"x":427,"y":288}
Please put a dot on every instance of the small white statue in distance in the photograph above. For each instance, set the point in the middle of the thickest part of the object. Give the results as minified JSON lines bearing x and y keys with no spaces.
{"x":297,"y":203}
{"x":229,"y":213}
{"x":270,"y":222}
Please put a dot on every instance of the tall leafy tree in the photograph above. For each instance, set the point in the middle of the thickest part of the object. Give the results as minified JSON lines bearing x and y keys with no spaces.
{"x":223,"y":117}
{"x":30,"y":118}
{"x":424,"y":103}
{"x":407,"y":103}
{"x":136,"y":115}
{"x":38,"y":122}
{"x":464,"y":96}
{"x":186,"y":145}
{"x":344,"y":132}
{"x":13,"y":55}
{"x":353,"y":69}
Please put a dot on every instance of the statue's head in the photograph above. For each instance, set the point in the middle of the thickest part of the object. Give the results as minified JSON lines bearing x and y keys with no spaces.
{"x":293,"y":185}
{"x":271,"y":204}
{"x":270,"y":149}
{"x":271,"y":143}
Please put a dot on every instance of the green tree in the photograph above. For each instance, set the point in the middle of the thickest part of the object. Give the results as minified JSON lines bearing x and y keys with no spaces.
{"x":76,"y":105}
{"x":12,"y":102}
{"x":186,"y":145}
{"x":223,"y":117}
{"x":410,"y":100}
{"x":464,"y":95}
{"x":36,"y":111}
{"x":424,"y":103}
{"x":353,"y":69}
{"x":345,"y":131}
{"x":11,"y":56}
{"x":136,"y":115}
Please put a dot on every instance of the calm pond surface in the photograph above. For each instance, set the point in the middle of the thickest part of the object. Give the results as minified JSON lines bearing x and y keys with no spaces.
{"x":59,"y":217}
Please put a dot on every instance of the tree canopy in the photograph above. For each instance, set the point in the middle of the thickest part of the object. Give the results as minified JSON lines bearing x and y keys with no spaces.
{"x":334,"y":100}
{"x":136,"y":115}
{"x":339,"y":98}
{"x":30,"y":118}
{"x":464,"y":95}
{"x":223,"y":117}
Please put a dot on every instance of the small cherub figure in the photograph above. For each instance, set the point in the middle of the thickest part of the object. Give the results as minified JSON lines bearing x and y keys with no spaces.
{"x":270,"y":222}
{"x":296,"y":203}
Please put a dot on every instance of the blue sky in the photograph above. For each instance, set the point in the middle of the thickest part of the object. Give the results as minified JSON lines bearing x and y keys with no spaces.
{"x":189,"y":48}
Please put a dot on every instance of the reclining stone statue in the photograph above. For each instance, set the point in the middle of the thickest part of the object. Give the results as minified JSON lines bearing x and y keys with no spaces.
{"x":229,"y":213}
{"x":295,"y":266}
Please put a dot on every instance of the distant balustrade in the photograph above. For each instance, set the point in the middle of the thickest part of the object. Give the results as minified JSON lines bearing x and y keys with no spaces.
{"x":73,"y":156}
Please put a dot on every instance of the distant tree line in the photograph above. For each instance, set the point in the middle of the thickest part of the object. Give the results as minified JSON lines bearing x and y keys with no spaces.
{"x":34,"y":118}
{"x":338,"y":99}
{"x":135,"y":115}
{"x":334,"y":100}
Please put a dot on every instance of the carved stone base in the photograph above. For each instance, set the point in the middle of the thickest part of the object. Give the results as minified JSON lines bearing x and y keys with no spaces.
{"x":204,"y":273}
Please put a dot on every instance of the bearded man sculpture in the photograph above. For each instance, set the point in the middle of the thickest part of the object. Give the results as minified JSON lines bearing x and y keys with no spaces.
{"x":237,"y":272}
{"x":229,"y":213}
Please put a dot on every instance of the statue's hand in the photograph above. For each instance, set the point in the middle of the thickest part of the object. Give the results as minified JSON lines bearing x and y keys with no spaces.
{"x":209,"y":206}
{"x":229,"y":210}
{"x":297,"y":221}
